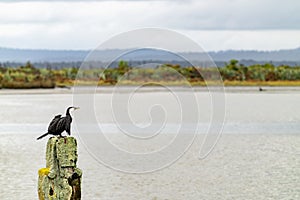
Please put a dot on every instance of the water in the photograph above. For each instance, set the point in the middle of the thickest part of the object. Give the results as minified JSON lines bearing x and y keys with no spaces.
{"x":247,"y":110}
{"x":256,"y":158}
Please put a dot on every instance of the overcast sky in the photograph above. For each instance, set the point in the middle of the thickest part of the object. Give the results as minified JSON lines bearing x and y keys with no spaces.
{"x":214,"y":24}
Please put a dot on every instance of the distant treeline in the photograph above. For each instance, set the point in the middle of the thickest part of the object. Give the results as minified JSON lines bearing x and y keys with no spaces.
{"x":233,"y":71}
{"x":47,"y":65}
{"x":26,"y":76}
{"x":99,"y":64}
{"x":29,"y":76}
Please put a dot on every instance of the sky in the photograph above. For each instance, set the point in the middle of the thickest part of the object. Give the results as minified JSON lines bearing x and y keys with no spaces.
{"x":214,"y":24}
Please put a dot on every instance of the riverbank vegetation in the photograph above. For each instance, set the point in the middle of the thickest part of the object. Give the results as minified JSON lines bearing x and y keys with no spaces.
{"x":233,"y":74}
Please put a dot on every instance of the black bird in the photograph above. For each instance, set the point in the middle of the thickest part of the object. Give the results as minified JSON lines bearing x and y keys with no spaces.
{"x":261,"y":90}
{"x":60,"y":124}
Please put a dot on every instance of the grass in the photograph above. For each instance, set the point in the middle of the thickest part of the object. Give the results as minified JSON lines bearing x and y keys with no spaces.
{"x":27,"y":85}
{"x":262,"y":83}
{"x":182,"y":83}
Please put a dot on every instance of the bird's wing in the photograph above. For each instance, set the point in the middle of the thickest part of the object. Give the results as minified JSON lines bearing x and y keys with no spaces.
{"x":53,"y":123}
{"x":60,"y":127}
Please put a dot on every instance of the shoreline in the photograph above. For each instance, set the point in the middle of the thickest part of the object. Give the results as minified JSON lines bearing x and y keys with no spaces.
{"x":109,"y":89}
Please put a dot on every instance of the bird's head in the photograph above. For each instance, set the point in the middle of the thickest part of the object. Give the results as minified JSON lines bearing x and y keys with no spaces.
{"x":71,"y":108}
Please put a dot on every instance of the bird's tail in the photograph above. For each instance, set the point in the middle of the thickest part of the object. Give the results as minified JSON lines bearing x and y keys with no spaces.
{"x":42,"y":136}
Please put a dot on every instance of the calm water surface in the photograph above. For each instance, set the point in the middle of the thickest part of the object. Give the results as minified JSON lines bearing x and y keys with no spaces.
{"x":258,"y":157}
{"x":247,"y":111}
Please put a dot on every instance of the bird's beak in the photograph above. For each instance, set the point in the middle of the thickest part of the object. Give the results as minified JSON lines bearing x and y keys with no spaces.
{"x":76,"y":108}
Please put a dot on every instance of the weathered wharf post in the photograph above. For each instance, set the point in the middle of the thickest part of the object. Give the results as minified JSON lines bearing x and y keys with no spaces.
{"x":61,"y":179}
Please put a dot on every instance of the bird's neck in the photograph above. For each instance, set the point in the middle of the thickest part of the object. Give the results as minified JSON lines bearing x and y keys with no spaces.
{"x":68,"y":112}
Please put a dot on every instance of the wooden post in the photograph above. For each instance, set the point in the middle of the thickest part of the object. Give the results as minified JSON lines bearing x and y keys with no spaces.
{"x":61,"y":179}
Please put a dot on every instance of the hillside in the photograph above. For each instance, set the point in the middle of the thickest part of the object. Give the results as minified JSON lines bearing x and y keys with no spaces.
{"x":291,"y":56}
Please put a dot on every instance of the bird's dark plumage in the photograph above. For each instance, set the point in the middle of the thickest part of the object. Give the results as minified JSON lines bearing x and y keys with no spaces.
{"x":53,"y":123}
{"x":261,"y":89}
{"x":60,"y":124}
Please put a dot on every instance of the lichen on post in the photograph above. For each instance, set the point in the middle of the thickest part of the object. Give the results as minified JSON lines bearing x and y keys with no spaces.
{"x":61,"y":179}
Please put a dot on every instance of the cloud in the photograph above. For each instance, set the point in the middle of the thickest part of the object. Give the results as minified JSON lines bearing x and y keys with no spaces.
{"x":82,"y":24}
{"x":192,"y":15}
{"x":245,"y":39}
{"x":9,"y":1}
{"x":233,"y":15}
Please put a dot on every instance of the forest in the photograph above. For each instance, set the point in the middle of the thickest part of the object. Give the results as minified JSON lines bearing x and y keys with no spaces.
{"x":232,"y":74}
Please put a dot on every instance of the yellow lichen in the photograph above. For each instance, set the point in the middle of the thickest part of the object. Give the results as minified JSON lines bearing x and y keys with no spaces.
{"x":44,"y":171}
